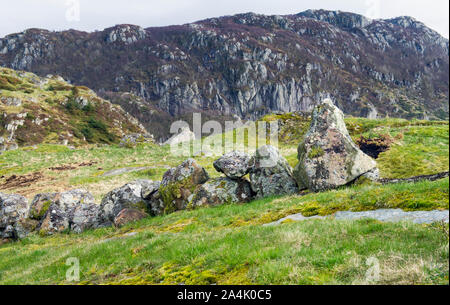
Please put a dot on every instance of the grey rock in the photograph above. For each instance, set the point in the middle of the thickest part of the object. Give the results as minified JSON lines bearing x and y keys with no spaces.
{"x":234,"y":165}
{"x":384,"y":215}
{"x":221,"y":191}
{"x":127,"y":196}
{"x":271,"y":174}
{"x":178,"y":184}
{"x":86,"y":217}
{"x":13,"y":208}
{"x":328,"y":157}
{"x":149,"y":189}
{"x":60,"y":214}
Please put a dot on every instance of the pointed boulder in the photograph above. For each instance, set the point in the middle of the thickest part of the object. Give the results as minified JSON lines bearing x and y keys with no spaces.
{"x":328,"y":157}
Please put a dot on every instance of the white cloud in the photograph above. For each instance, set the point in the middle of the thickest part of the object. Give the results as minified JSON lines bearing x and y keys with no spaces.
{"x":18,"y":15}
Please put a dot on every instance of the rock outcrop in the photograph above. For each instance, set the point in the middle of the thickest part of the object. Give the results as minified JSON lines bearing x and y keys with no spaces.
{"x":178,"y":185}
{"x":328,"y":157}
{"x":221,"y":191}
{"x":234,"y":165}
{"x":271,"y":174}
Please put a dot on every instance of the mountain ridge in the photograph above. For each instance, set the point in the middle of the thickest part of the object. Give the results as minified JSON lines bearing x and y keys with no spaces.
{"x":248,"y":65}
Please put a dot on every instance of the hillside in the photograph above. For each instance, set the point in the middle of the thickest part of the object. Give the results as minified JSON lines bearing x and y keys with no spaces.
{"x":229,"y":244}
{"x":37,"y":110}
{"x":250,"y":65}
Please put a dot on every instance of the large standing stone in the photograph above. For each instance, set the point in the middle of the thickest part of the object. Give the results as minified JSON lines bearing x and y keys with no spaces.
{"x":13,"y":209}
{"x":178,"y":185}
{"x":328,"y":158}
{"x":60,"y":214}
{"x":221,"y":191}
{"x":128,"y":196}
{"x":271,"y":174}
{"x":234,"y":165}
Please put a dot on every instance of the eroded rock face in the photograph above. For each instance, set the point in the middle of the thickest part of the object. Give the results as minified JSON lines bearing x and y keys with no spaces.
{"x":61,"y":212}
{"x":221,"y":191}
{"x":271,"y":174}
{"x":234,"y":165}
{"x":178,"y":185}
{"x":328,"y":157}
{"x":127,"y":196}
{"x":13,"y":209}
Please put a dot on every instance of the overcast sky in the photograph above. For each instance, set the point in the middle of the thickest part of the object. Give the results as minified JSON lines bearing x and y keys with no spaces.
{"x":18,"y":15}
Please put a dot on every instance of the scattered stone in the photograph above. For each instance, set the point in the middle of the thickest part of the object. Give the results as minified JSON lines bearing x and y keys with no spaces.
{"x":178,"y":185}
{"x":185,"y":135}
{"x":13,"y":208}
{"x":328,"y":158}
{"x":128,"y":215}
{"x":234,"y":165}
{"x":271,"y":174}
{"x":221,"y":191}
{"x":127,"y":196}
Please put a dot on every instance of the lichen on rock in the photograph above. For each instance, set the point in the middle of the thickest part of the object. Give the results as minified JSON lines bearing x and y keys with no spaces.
{"x":328,"y":157}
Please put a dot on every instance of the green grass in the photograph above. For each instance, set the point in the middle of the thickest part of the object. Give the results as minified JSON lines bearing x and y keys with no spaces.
{"x":229,"y":244}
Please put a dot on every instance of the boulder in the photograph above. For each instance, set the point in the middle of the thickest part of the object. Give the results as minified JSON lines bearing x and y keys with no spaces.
{"x":61,"y":211}
{"x":128,"y":215}
{"x":86,"y":217}
{"x":271,"y":174}
{"x":328,"y":157}
{"x":221,"y":191}
{"x":127,"y":196}
{"x":234,"y":165}
{"x":13,"y":209}
{"x":178,"y":185}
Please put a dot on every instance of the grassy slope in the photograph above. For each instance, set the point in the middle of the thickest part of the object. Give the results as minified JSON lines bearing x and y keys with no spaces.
{"x":54,"y":99}
{"x":228,"y":244}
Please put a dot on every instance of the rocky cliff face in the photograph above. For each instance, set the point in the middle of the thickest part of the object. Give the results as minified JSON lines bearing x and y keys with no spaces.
{"x":249,"y":65}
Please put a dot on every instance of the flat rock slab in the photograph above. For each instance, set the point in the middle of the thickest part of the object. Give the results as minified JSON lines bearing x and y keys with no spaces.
{"x":384,"y":215}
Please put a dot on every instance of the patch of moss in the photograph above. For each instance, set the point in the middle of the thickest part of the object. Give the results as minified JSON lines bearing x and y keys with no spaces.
{"x":316,"y":152}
